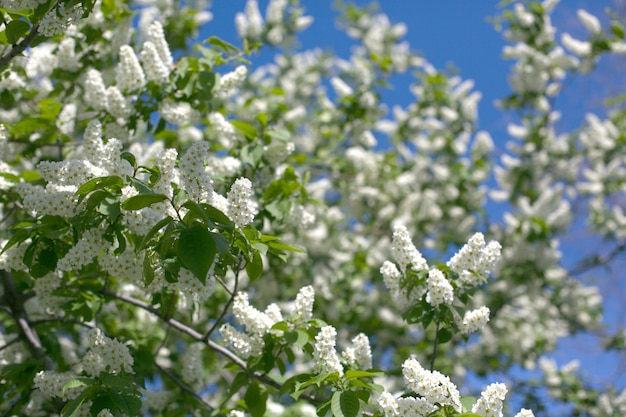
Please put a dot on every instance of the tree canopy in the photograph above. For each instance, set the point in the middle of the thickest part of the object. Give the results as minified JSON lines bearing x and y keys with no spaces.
{"x":186,"y":232}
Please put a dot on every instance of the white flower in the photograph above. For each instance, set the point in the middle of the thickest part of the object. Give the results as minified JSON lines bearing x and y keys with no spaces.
{"x":157,"y":37}
{"x":129,"y":75}
{"x":155,"y":69}
{"x":178,"y":112}
{"x":575,"y":46}
{"x":325,"y":356}
{"x":439,"y":289}
{"x":196,"y":180}
{"x":241,"y":206}
{"x":490,"y":402}
{"x":360,"y":353}
{"x":303,"y":305}
{"x":433,"y":386}
{"x":474,"y":320}
{"x":525,"y":413}
{"x":95,"y":91}
{"x":404,"y":252}
{"x":590,"y":21}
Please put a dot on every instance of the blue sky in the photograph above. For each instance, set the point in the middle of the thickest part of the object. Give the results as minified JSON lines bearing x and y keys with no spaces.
{"x":457,"y":32}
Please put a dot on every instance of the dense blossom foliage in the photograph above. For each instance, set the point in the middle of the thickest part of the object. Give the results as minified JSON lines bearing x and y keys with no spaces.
{"x":184,"y":232}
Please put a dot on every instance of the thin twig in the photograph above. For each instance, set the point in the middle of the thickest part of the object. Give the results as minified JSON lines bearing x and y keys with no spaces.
{"x":432,"y":360}
{"x":228,"y":304}
{"x":20,"y":47}
{"x":182,"y":385}
{"x":596,"y":261}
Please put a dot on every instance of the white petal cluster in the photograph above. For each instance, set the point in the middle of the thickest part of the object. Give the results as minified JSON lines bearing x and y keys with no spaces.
{"x":66,"y":120}
{"x":95,"y":91}
{"x":55,"y":200}
{"x":45,"y":300}
{"x":192,"y":371}
{"x":67,"y":58}
{"x":230,"y":81}
{"x":83,"y":252}
{"x":359,"y":355}
{"x":105,"y":355}
{"x":303,"y":305}
{"x":440,"y":291}
{"x":241,"y":206}
{"x":430,"y":385}
{"x":475,"y":256}
{"x":325,"y":358}
{"x":189,"y":286}
{"x":51,"y":385}
{"x":250,"y":23}
{"x":253,"y":320}
{"x":154,"y":67}
{"x":195,"y":179}
{"x":391,"y":277}
{"x":157,"y":37}
{"x":590,"y":21}
{"x":474,"y":320}
{"x":56,"y":21}
{"x":575,"y":46}
{"x":226,"y":133}
{"x":178,"y":112}
{"x":129,"y":75}
{"x":116,"y":104}
{"x":490,"y":402}
{"x":404,"y":251}
{"x":525,"y":413}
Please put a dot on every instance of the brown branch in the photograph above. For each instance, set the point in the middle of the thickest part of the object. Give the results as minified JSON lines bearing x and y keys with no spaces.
{"x":183,"y":328}
{"x":596,"y":261}
{"x":230,"y":300}
{"x":20,"y":47}
{"x":15,"y":303}
{"x":182,"y":385}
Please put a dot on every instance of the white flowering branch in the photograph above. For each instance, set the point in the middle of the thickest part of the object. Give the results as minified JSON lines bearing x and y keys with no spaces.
{"x":198,"y":337}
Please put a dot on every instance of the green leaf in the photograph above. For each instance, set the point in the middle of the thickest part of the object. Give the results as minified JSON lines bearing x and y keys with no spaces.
{"x":467,"y":402}
{"x":223,"y":45}
{"x":282,"y":135}
{"x":345,"y":404}
{"x":15,"y":30}
{"x":246,"y":128}
{"x":140,"y":201}
{"x":196,"y":250}
{"x":99,"y":183}
{"x":256,"y":399}
{"x":152,"y":232}
{"x":355,"y":373}
{"x":444,"y":335}
{"x":73,"y":383}
{"x":298,"y":338}
{"x":71,"y":408}
{"x":255,"y":267}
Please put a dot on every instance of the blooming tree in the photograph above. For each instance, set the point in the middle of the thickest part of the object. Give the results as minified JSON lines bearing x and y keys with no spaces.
{"x":185,"y":233}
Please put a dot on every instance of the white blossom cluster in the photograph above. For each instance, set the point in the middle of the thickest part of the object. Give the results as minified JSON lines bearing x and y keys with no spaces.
{"x":129,"y":74}
{"x":226,"y":134}
{"x":439,"y":289}
{"x":229,"y":82}
{"x":195,"y":179}
{"x":280,"y":22}
{"x":256,"y":324}
{"x":474,"y":320}
{"x":475,"y":257}
{"x":359,"y":355}
{"x":105,"y":355}
{"x":435,"y":390}
{"x":192,"y":371}
{"x":325,"y":357}
{"x":241,"y":206}
{"x":84,"y":251}
{"x":404,"y":251}
{"x":490,"y":402}
{"x":58,"y":18}
{"x":178,"y":112}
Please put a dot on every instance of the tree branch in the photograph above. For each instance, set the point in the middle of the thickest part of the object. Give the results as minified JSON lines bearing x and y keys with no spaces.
{"x":228,"y":304}
{"x":15,"y":302}
{"x":194,"y":335}
{"x":182,"y":385}
{"x":595,"y":261}
{"x":20,"y":47}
